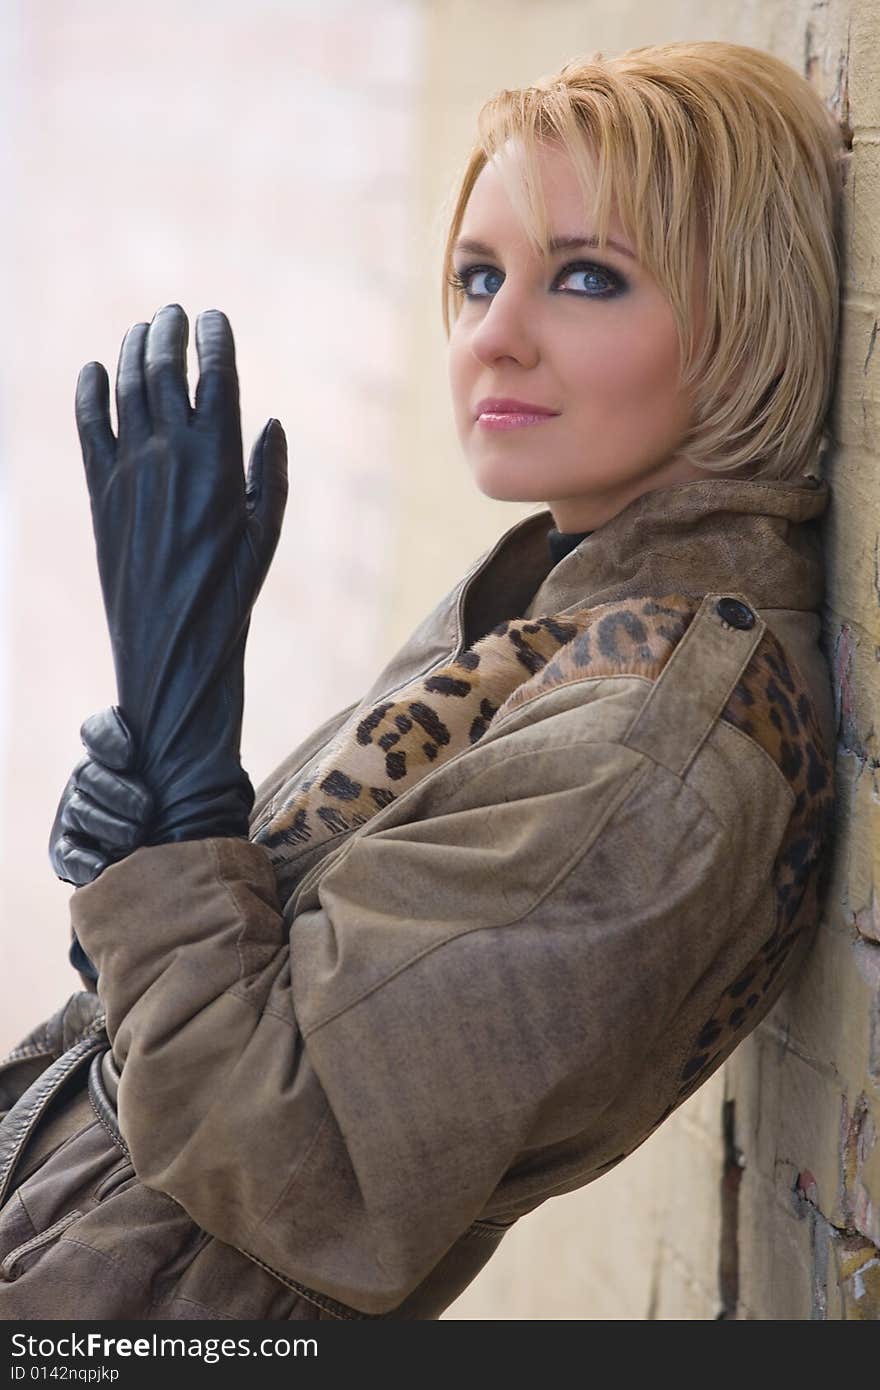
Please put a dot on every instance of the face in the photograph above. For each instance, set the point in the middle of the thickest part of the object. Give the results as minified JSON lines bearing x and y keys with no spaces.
{"x":589,"y":337}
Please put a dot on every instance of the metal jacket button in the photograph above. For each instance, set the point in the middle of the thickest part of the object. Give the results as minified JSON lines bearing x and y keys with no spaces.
{"x":735,"y":613}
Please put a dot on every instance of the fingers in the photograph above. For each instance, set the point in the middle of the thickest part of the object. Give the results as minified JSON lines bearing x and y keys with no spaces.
{"x":217,"y":401}
{"x":102,"y":815}
{"x":106,"y":807}
{"x":132,"y":410}
{"x":267,"y":485}
{"x":92,"y":408}
{"x":73,"y":860}
{"x":151,"y":382}
{"x":165,"y":367}
{"x":108,"y":738}
{"x":76,"y":863}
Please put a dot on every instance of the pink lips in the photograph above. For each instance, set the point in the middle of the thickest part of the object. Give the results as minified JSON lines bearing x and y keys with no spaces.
{"x":507,"y":413}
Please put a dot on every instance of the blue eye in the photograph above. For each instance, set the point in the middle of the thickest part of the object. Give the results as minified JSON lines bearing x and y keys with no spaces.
{"x":614,"y":284}
{"x":463,"y":280}
{"x":600,"y":272}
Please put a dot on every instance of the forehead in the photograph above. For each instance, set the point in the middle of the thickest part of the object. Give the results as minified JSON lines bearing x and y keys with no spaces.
{"x":501,"y":193}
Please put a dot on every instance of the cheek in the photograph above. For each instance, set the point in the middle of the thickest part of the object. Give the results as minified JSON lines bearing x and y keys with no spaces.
{"x":461,"y":379}
{"x":630,"y":363}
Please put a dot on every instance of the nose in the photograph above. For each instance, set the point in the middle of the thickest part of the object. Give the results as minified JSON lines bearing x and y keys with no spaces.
{"x":506,"y":329}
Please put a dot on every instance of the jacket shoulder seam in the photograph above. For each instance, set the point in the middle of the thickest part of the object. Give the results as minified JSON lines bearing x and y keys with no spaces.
{"x":778,"y":774}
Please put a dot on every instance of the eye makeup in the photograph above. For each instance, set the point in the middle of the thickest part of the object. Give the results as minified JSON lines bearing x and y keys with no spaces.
{"x":461,"y":279}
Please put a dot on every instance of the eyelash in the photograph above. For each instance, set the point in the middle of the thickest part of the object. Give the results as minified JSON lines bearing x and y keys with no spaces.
{"x":459,"y":280}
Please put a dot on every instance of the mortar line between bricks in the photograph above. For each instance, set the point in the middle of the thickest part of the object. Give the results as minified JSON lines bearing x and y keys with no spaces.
{"x":845,"y":1232}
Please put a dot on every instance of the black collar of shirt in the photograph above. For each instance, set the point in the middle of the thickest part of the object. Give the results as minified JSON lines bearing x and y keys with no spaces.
{"x":559,"y":543}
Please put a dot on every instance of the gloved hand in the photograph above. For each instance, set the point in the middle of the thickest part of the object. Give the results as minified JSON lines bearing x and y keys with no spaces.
{"x":184,"y":543}
{"x":104,"y":811}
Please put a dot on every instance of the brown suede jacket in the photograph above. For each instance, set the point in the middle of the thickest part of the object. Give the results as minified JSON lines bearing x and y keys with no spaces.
{"x":495,"y":921}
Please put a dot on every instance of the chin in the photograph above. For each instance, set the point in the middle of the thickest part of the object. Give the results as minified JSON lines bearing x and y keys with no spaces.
{"x":502,"y":484}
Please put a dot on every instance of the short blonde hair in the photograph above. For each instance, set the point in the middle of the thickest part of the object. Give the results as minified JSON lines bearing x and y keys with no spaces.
{"x":720,"y":146}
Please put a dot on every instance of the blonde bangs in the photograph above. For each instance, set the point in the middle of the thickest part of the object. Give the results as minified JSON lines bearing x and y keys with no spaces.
{"x":710,"y":148}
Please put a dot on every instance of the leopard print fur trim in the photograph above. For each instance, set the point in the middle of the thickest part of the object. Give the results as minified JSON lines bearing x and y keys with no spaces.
{"x":388,"y":749}
{"x":771,"y":706}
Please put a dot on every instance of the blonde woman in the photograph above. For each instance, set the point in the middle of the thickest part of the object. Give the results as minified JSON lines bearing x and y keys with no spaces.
{"x":487,"y":927}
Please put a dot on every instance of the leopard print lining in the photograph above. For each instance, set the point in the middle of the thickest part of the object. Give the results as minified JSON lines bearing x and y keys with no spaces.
{"x":770,"y":705}
{"x":388,"y":749}
{"x":635,"y":638}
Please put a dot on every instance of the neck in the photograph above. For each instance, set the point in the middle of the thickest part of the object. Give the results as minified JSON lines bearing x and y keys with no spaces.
{"x":590,"y":512}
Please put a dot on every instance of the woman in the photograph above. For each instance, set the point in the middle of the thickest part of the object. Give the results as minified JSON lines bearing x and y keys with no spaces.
{"x":487,"y":927}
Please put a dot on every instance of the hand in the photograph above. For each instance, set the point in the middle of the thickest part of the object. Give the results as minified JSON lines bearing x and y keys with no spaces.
{"x":184,"y":543}
{"x":104,"y":812}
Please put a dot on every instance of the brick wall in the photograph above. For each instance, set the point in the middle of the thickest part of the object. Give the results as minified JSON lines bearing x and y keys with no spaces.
{"x":805,"y":1089}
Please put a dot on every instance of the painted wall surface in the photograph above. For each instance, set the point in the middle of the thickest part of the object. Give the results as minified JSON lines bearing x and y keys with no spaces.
{"x":254,"y":157}
{"x":293,"y":164}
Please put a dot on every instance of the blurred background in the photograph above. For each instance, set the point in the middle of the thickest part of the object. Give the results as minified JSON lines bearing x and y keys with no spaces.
{"x":293,"y":162}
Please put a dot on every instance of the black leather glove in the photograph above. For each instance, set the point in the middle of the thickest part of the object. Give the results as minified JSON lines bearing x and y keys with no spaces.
{"x":184,"y":543}
{"x":104,"y":812}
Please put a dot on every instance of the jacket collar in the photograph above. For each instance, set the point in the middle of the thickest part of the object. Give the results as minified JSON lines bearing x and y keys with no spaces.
{"x":692,"y":538}
{"x":705,"y":536}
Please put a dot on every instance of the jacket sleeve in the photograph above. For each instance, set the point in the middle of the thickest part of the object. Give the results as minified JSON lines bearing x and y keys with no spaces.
{"x":338,"y":1087}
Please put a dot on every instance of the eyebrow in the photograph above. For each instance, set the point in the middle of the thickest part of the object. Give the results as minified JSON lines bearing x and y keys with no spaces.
{"x":559,"y":243}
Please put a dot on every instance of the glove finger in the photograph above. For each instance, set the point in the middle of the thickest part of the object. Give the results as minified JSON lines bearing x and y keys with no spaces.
{"x":75,"y":862}
{"x":108,"y":831}
{"x":55,"y":834}
{"x":124,"y":796}
{"x":132,"y":410}
{"x":165,"y":367}
{"x":108,"y":738}
{"x":267,"y":486}
{"x":217,"y":395}
{"x":96,"y":438}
